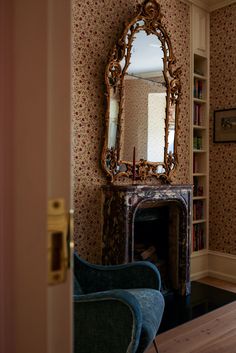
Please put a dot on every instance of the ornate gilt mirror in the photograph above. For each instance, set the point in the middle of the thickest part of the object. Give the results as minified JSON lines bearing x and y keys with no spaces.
{"x":143,"y":91}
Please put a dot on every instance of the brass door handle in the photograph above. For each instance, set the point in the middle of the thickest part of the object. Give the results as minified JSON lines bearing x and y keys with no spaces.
{"x":60,"y":245}
{"x":70,"y":241}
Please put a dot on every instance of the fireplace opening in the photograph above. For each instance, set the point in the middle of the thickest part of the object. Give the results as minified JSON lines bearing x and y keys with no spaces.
{"x":156,"y":239}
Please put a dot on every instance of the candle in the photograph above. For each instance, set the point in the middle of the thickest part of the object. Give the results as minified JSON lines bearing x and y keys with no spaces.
{"x":134,"y":170}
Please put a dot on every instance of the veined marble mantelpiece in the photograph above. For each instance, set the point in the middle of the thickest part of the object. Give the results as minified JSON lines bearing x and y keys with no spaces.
{"x":120,"y":203}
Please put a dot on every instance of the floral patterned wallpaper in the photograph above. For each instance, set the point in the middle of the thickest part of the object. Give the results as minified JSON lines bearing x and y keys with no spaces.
{"x":96,"y":25}
{"x":222,"y":155}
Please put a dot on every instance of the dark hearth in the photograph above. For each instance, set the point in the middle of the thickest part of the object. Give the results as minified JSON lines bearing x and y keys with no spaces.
{"x":155,"y":240}
{"x":202,"y":300}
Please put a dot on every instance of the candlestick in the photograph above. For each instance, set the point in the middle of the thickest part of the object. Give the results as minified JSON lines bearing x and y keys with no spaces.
{"x":134,"y":169}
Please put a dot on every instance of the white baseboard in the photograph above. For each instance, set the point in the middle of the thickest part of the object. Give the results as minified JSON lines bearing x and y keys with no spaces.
{"x":214,"y":264}
{"x":223,"y":276}
{"x":197,"y":275}
{"x":199,"y":265}
{"x":222,"y":266}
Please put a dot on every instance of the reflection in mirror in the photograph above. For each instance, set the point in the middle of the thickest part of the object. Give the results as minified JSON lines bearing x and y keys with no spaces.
{"x":143,"y":93}
{"x":146,"y":56}
{"x":113,"y":121}
{"x":171,"y":136}
{"x":144,"y":101}
{"x":156,"y":127}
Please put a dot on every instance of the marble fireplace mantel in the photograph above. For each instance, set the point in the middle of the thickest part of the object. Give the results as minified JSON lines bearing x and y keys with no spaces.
{"x":120,"y":204}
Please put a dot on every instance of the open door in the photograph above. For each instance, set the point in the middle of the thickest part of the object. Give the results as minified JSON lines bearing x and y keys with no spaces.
{"x":59,"y":165}
{"x":35,"y":123}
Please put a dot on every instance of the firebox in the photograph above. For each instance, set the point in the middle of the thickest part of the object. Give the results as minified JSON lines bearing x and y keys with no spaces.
{"x":151,"y":223}
{"x":156,"y":238}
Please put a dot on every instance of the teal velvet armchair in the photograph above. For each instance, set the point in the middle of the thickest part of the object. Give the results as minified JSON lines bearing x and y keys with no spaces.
{"x":117,"y":309}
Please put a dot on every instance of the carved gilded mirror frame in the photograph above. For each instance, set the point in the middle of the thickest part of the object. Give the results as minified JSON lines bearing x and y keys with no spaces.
{"x":148,"y":18}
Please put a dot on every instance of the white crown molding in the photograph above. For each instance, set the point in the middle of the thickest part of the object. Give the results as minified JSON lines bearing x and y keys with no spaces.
{"x":220,"y":4}
{"x":198,"y":3}
{"x":210,"y":5}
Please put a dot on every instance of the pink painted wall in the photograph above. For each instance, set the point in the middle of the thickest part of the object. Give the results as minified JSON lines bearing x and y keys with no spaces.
{"x":6,"y":179}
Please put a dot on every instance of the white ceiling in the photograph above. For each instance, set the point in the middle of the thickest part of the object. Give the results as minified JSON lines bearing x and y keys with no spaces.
{"x":144,"y":49}
{"x":215,"y":2}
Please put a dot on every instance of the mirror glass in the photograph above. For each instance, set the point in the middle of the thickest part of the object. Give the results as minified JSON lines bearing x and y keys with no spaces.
{"x":142,"y":99}
{"x":113,"y":118}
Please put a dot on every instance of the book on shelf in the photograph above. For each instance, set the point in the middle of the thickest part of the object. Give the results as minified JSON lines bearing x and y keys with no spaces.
{"x":198,"y":237}
{"x":197,"y":142}
{"x":198,"y":210}
{"x":198,"y":88}
{"x":196,"y":166}
{"x":197,"y":189}
{"x":197,"y":114}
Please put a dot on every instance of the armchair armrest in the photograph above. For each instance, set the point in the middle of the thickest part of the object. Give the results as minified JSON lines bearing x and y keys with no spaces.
{"x":94,"y":278}
{"x":106,"y":322}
